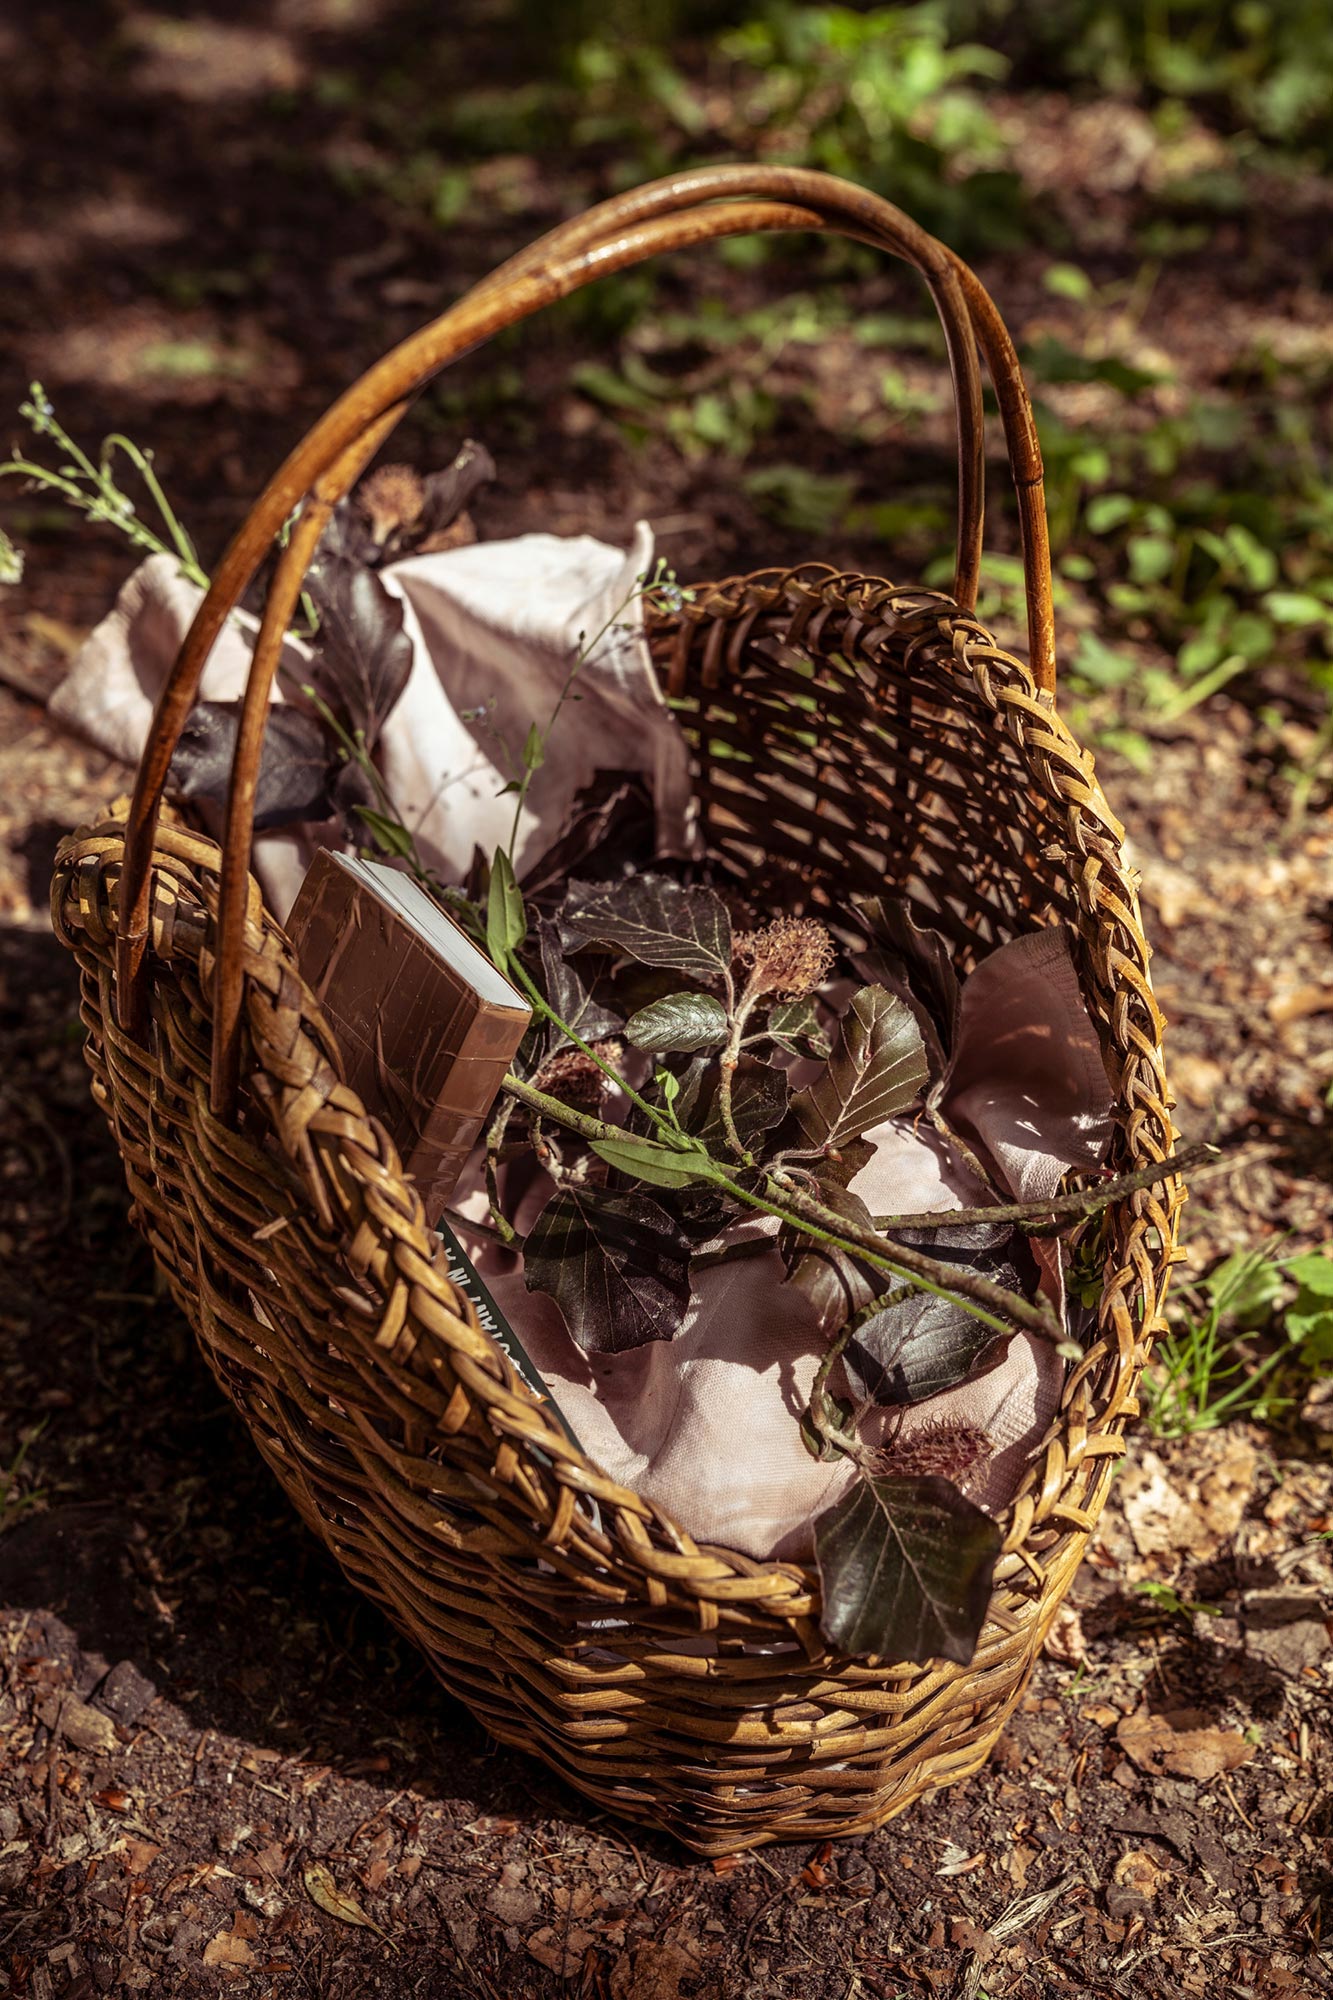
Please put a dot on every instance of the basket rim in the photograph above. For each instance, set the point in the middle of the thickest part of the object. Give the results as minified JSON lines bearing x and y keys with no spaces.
{"x":675,"y":1569}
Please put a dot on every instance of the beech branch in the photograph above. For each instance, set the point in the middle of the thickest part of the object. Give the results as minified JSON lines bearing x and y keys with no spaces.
{"x":1060,"y":1211}
{"x":993,"y":1304}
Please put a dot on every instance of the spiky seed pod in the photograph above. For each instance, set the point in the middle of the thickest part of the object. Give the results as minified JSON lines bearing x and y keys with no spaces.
{"x":391,"y":500}
{"x":948,"y":1451}
{"x":791,"y":956}
{"x":575,"y":1079}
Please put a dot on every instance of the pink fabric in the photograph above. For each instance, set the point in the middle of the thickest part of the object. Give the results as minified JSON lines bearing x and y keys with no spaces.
{"x":495,"y":628}
{"x":706,"y":1424}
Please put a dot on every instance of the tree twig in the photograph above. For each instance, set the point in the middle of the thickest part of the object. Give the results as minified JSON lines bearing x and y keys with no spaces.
{"x":991,"y":1303}
{"x":1046,"y":1218}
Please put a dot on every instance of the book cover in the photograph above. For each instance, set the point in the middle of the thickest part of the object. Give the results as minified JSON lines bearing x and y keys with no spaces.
{"x":425,"y":1024}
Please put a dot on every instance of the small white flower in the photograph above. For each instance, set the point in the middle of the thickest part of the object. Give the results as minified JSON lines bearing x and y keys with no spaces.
{"x":11,"y":560}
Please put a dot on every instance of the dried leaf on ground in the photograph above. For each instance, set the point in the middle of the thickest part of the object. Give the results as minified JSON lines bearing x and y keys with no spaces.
{"x":1065,"y":1640}
{"x":232,"y":1947}
{"x":68,"y":1717}
{"x":1157,"y":1746}
{"x":655,"y":1972}
{"x":324,"y":1891}
{"x":560,"y":1951}
{"x":1197,"y":1517}
{"x":1138,"y":1871}
{"x":1287,"y":1630}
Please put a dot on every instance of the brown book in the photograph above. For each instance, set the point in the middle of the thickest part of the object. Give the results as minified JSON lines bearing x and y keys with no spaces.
{"x":426,"y":1025}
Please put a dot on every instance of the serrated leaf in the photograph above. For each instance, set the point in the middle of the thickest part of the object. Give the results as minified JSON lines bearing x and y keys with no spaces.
{"x":660,"y":1166}
{"x":759,"y":1098}
{"x":905,"y":1569}
{"x":447,"y":492}
{"x":297,"y":767}
{"x":617,"y":1265}
{"x":566,"y":992}
{"x":918,"y":966}
{"x":795,"y":1027}
{"x":324,"y":1891}
{"x":878,"y":1067}
{"x":836,"y":1283}
{"x":927,"y":1343}
{"x":679,"y":1024}
{"x":364,"y":654}
{"x":659,"y":922}
{"x":506,"y":919}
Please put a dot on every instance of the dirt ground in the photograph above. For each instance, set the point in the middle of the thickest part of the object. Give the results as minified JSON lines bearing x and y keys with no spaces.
{"x":220,"y":1771}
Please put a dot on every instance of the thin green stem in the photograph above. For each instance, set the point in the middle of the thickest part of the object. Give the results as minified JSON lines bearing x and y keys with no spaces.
{"x":143,"y":465}
{"x":671,"y":1131}
{"x":819,"y":1410}
{"x":740,"y":1013}
{"x":990,"y":1303}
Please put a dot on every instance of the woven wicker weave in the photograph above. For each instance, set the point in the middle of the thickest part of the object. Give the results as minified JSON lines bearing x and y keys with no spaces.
{"x":874,"y":735}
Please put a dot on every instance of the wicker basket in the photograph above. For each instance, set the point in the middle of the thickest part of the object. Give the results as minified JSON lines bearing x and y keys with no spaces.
{"x":684,"y":1686}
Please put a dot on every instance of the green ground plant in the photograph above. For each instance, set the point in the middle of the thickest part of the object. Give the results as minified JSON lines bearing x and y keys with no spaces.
{"x":1244,"y":1341}
{"x":1191,"y":521}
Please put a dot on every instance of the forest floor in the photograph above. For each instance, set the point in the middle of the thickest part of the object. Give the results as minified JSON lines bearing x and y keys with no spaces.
{"x":220,"y":1770}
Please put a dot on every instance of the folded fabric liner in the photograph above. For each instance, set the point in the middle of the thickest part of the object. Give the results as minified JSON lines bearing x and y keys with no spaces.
{"x":705,"y":1425}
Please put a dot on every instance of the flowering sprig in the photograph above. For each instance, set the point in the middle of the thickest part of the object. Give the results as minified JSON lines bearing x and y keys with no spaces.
{"x":92,"y":490}
{"x":658,"y":588}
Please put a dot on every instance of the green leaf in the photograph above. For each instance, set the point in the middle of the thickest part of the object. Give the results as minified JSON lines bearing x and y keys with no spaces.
{"x":1296,"y":607}
{"x":1150,"y":557}
{"x":1067,"y":281}
{"x":506,"y":919}
{"x":660,"y":1166}
{"x":1313,"y":1334}
{"x":390,"y":837}
{"x":681,"y":1023}
{"x":1107,"y":511}
{"x":1313,"y":1273}
{"x":810,"y":503}
{"x":905,"y":1568}
{"x":878,"y":1067}
{"x":617,"y":1266}
{"x":1097,"y":662}
{"x":1257,"y":564}
{"x":794,"y":1026}
{"x":1245,"y":1287}
{"x":534,"y":749}
{"x":659,"y":922}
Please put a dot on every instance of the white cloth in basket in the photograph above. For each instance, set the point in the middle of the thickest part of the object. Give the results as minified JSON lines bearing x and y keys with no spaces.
{"x":494,"y":628}
{"x":706,"y":1424}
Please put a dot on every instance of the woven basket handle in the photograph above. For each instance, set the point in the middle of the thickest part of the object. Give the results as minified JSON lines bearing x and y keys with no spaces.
{"x":665,"y":215}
